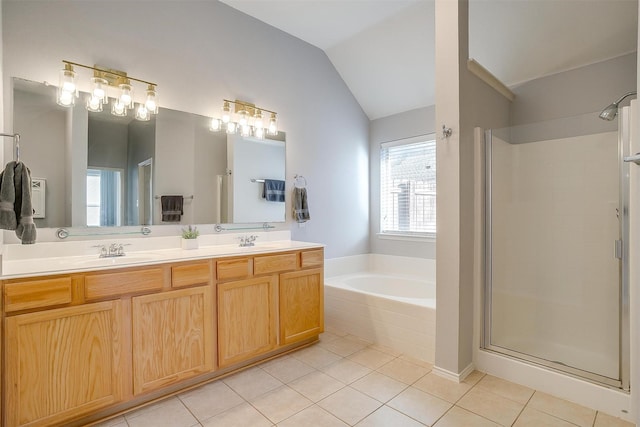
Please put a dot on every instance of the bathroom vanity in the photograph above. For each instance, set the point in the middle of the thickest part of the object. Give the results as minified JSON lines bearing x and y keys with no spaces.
{"x":85,"y":343}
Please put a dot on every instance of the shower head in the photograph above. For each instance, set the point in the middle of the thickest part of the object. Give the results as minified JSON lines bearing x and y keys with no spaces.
{"x":611,"y":111}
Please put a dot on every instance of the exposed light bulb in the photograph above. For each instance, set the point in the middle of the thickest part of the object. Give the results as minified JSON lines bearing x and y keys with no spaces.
{"x":215,"y":125}
{"x":273,"y":125}
{"x":152,"y":99}
{"x":258,"y":133}
{"x":243,"y":118}
{"x":142,"y":113}
{"x":231,"y":127}
{"x":245,"y":130}
{"x":99,"y":92}
{"x":258,"y":123}
{"x":126,"y":95}
{"x":94,"y":104}
{"x":226,"y":112}
{"x":65,"y":98}
{"x":118,"y":109}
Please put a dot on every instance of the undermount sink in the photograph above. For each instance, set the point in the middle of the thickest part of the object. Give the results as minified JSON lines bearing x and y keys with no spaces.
{"x":100,"y":262}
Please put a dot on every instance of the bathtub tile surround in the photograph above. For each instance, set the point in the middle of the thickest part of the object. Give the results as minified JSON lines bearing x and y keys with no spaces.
{"x":328,"y":396}
{"x":389,"y":300}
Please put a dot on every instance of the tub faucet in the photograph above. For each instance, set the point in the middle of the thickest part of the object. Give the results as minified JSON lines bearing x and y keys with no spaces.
{"x":248,"y":240}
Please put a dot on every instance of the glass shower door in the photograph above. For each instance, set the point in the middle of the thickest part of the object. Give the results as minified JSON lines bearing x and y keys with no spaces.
{"x":553,"y":273}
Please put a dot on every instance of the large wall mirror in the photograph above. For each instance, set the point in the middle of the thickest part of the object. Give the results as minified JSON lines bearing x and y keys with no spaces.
{"x":97,"y":169}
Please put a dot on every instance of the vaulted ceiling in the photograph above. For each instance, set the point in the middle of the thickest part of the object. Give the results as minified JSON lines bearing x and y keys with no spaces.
{"x":384,"y":49}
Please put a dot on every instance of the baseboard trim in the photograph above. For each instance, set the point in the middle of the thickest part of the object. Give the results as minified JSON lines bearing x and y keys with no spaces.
{"x":452,"y":376}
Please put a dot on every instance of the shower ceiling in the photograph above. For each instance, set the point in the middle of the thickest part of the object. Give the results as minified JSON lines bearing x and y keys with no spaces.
{"x":384,"y":49}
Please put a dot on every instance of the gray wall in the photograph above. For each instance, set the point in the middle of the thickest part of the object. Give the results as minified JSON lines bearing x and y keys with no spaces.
{"x":399,"y":126}
{"x":141,"y":146}
{"x":45,"y":161}
{"x":107,"y":144}
{"x":575,"y":92}
{"x":200,"y":52}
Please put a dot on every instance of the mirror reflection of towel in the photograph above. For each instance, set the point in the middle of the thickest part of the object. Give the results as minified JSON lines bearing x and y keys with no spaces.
{"x":172,"y":208}
{"x":273,"y":190}
{"x":300,"y":205}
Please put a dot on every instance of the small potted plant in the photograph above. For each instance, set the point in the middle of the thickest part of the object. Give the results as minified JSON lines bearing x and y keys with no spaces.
{"x":190,"y":237}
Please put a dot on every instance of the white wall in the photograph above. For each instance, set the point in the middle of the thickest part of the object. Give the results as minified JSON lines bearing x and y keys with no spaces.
{"x":199,"y":53}
{"x":399,"y":126}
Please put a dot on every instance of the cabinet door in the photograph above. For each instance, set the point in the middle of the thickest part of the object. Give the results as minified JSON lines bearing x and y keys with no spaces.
{"x":172,"y":337}
{"x":63,"y":363}
{"x":301,"y":305}
{"x":246,"y":319}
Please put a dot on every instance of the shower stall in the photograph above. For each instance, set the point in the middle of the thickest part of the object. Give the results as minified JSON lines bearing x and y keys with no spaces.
{"x":556,"y":253}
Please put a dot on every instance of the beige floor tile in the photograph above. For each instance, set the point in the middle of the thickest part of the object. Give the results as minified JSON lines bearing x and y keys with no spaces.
{"x":287,"y":369}
{"x":563,"y":409}
{"x":516,"y":392}
{"x":210,"y":399}
{"x":252,"y":383}
{"x":416,"y":361}
{"x":113,"y":422}
{"x":168,"y":413}
{"x":419,"y":405}
{"x":443,"y":388}
{"x":605,"y":420}
{"x":316,"y":356}
{"x":385,"y":349}
{"x":534,"y":418}
{"x":241,"y":416}
{"x":492,"y":406}
{"x":349,"y":405}
{"x":378,"y":386}
{"x":313,"y":416}
{"x":316,"y":385}
{"x":328,"y":336}
{"x":474,"y":377}
{"x":335,"y":331}
{"x":371,"y":358}
{"x":404,"y":371}
{"x":346,"y":371}
{"x":388,"y":417}
{"x":458,"y":417}
{"x":280,"y":404}
{"x":344,"y":346}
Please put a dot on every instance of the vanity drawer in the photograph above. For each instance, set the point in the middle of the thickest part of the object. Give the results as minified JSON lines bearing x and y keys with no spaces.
{"x":37,"y":293}
{"x":275,"y":263}
{"x":238,"y":268}
{"x":313,"y":258}
{"x":191,"y":274}
{"x":104,"y":285}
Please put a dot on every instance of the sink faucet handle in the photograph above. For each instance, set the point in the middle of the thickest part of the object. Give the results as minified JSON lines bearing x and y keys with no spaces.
{"x":103,"y":250}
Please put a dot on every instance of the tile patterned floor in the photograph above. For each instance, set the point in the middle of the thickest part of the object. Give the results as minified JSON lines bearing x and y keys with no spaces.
{"x":345,"y":381}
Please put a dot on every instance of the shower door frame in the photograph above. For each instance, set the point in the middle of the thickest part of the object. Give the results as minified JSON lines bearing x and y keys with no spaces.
{"x":624,"y":321}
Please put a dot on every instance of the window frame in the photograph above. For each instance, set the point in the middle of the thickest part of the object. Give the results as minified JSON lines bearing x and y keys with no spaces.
{"x":401,"y":234}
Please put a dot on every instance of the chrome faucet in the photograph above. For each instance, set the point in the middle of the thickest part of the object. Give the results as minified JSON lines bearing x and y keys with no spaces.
{"x":111,"y":251}
{"x":248,"y":240}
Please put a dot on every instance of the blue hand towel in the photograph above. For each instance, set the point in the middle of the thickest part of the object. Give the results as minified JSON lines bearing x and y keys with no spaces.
{"x":273,"y":190}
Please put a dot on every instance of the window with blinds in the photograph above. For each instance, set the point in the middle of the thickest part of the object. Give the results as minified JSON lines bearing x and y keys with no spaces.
{"x":408,"y":187}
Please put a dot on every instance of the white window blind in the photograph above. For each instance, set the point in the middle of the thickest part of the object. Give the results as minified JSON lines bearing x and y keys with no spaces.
{"x":408,"y":187}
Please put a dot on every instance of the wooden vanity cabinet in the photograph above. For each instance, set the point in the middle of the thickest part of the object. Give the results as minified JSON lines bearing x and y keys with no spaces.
{"x":246,"y":319}
{"x":301,"y":305}
{"x":173,"y":337}
{"x":99,"y":341}
{"x":63,"y":363}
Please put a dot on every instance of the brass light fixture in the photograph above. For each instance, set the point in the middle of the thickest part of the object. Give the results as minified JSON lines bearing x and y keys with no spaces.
{"x":246,"y":118}
{"x":102,"y":80}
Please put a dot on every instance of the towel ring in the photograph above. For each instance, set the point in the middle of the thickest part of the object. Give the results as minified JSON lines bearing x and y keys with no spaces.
{"x":297,"y":183}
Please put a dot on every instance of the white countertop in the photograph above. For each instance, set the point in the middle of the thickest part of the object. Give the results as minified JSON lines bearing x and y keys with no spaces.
{"x":37,"y":265}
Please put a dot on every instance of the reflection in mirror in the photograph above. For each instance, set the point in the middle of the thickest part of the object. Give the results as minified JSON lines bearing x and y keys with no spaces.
{"x":102,"y":170}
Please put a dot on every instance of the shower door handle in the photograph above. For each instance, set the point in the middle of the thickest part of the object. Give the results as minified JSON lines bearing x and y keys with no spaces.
{"x":618,"y":249}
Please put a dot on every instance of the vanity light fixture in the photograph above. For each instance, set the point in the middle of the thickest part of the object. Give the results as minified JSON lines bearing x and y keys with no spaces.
{"x":101,"y":81}
{"x":248,"y":120}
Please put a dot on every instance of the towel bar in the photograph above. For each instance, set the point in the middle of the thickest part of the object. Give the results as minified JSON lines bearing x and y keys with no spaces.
{"x":185,"y":197}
